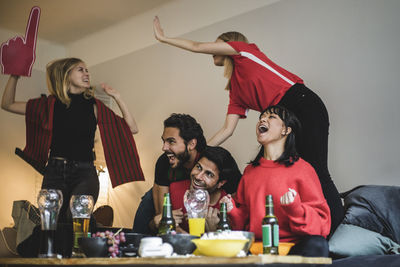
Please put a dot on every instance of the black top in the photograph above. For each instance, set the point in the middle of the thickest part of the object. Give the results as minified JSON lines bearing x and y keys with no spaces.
{"x":74,"y":129}
{"x":164,"y":174}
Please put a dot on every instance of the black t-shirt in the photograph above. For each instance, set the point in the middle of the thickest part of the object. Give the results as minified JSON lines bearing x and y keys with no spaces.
{"x":165,"y":175}
{"x":74,"y":129}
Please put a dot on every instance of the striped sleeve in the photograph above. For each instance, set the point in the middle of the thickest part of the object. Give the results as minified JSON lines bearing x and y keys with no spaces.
{"x":120,"y":150}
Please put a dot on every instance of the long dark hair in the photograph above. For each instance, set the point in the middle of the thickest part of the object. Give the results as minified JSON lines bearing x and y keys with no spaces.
{"x":289,"y":155}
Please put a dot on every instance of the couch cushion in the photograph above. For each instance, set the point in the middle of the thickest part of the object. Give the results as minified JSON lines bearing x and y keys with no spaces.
{"x":350,"y":240}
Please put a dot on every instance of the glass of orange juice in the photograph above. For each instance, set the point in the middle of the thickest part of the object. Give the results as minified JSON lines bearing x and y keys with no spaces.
{"x":196,"y":203}
{"x":197,"y":226}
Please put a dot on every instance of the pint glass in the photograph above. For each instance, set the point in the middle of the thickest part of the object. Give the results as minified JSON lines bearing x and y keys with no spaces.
{"x":81,"y":208}
{"x":49,"y":202}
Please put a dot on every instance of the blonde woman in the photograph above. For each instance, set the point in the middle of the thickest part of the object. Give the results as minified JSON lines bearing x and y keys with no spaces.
{"x":61,"y":129}
{"x":255,"y":82}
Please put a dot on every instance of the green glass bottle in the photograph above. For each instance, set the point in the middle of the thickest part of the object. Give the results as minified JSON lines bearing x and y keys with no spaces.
{"x":270,"y":228}
{"x":223,"y":224}
{"x":167,"y":223}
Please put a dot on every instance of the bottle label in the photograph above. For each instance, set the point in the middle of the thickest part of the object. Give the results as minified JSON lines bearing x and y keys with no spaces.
{"x":276,"y":235}
{"x":270,"y":235}
{"x":266,"y":235}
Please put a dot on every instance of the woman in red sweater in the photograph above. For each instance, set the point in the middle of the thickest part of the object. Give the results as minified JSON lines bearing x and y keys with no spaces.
{"x":299,"y":204}
{"x":256,"y":82}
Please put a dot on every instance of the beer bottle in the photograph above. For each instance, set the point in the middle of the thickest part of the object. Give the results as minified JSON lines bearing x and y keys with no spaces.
{"x":270,"y":228}
{"x":167,"y":223}
{"x":223,"y":223}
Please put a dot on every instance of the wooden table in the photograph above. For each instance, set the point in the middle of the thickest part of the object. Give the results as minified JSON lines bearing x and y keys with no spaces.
{"x":271,"y":260}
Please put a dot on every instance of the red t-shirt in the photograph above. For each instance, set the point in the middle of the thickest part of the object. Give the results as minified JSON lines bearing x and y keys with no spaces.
{"x":256,"y":81}
{"x":177,"y":191}
{"x":309,"y":214}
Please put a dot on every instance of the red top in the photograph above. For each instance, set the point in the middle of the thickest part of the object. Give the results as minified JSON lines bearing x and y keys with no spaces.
{"x":309,"y":213}
{"x":177,"y":191}
{"x":256,"y":81}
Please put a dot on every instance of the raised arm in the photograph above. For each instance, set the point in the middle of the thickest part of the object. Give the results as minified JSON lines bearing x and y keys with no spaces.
{"x":212,"y":48}
{"x":226,"y":131}
{"x":130,"y":120}
{"x":8,"y":101}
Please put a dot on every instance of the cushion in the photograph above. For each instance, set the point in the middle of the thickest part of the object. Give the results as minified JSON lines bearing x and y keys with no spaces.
{"x":350,"y":240}
{"x":376,"y":208}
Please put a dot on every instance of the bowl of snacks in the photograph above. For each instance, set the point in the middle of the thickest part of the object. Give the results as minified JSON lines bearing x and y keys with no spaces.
{"x":225,"y":243}
{"x":219,"y":247}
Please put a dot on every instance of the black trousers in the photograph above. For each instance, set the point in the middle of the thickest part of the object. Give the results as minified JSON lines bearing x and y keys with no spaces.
{"x":311,"y":246}
{"x":72,"y":178}
{"x":312,"y":142}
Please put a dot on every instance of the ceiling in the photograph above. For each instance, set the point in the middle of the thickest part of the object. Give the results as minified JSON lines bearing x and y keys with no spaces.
{"x":65,"y":21}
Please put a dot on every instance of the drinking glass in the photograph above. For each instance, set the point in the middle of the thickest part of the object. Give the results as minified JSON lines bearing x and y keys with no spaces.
{"x":49,"y":202}
{"x":81,"y":208}
{"x":196,"y":203}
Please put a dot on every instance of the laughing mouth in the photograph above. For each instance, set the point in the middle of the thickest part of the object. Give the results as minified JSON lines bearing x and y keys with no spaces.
{"x":262,"y":129}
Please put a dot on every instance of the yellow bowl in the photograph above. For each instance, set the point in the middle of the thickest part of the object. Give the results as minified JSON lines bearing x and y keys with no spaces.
{"x":283,"y":248}
{"x":219,"y":247}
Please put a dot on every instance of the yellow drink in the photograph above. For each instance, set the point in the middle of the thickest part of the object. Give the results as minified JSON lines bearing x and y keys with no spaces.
{"x":197,"y":226}
{"x":81,"y":229}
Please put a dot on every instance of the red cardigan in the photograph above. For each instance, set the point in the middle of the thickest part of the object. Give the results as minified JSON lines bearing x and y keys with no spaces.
{"x":119,"y":146}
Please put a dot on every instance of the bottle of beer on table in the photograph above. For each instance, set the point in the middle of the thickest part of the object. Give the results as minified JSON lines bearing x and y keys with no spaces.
{"x":223,"y":224}
{"x":167,"y":223}
{"x":270,"y":228}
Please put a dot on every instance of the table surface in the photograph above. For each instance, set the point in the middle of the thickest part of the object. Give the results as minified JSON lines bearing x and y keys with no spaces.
{"x":196,"y":260}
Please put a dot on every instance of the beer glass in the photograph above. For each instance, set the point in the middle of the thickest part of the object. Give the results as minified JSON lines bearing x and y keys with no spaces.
{"x":49,"y":202}
{"x":196,"y":203}
{"x":81,"y":208}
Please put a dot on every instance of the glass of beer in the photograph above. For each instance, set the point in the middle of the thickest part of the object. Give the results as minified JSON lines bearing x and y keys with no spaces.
{"x":196,"y":203}
{"x":81,"y":208}
{"x":49,"y":202}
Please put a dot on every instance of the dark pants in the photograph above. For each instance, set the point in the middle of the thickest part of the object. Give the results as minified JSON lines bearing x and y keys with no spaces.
{"x":311,"y":246}
{"x":144,"y":214}
{"x":72,"y":178}
{"x":312,"y":142}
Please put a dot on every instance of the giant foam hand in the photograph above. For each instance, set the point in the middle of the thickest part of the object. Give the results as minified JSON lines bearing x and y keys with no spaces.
{"x":17,"y":55}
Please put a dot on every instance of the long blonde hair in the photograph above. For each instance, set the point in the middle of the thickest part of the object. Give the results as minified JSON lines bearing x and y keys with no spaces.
{"x":58,"y":82}
{"x":228,"y":62}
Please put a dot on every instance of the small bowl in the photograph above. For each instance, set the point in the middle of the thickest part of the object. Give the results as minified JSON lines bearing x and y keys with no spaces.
{"x":219,"y":247}
{"x":283,"y":248}
{"x":182,"y":243}
{"x":94,"y":247}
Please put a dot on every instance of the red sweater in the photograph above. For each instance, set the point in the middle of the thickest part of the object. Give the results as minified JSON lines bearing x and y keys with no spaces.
{"x":308,"y":215}
{"x":256,"y":81}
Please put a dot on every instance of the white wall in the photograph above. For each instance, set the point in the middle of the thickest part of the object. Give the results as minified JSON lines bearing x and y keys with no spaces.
{"x":345,"y":50}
